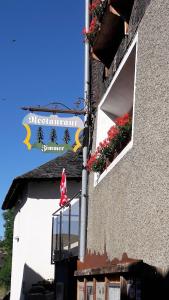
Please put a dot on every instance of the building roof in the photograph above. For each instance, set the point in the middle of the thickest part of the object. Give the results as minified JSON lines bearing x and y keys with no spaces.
{"x":71,"y":161}
{"x":51,"y":170}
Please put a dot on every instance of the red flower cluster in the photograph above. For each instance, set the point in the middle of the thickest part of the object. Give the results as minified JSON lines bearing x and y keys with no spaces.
{"x":94,"y":5}
{"x":92,"y":26}
{"x":115,"y":135}
{"x":123,"y":120}
{"x":103,"y":144}
{"x":96,"y":9}
{"x":92,"y":160}
{"x":112,"y":133}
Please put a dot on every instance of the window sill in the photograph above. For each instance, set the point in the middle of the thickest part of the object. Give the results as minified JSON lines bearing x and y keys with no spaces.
{"x":98,"y":177}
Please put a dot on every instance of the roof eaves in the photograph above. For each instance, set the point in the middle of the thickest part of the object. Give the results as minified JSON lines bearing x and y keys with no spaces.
{"x":15,"y":188}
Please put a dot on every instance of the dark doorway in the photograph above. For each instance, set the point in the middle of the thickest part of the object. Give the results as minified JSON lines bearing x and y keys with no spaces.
{"x":65,"y":282}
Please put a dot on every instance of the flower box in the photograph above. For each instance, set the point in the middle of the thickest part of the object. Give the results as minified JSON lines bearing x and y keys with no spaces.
{"x":97,"y":8}
{"x":110,"y":19}
{"x":123,"y":7}
{"x":108,"y":37}
{"x":118,"y":136}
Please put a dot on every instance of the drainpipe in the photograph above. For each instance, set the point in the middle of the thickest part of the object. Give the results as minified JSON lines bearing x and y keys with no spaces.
{"x":83,"y":223}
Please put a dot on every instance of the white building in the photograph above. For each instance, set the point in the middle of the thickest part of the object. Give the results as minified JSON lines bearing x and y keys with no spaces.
{"x":35,"y":197}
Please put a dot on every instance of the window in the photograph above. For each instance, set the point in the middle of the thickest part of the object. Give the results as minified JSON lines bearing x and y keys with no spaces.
{"x":117,"y":101}
{"x":114,"y":291}
{"x":65,"y":231}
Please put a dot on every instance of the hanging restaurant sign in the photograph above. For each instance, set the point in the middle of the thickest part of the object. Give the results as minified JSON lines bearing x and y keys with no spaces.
{"x":46,"y":137}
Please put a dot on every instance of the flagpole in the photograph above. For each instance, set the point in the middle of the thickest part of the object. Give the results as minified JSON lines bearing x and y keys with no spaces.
{"x":84,"y":196}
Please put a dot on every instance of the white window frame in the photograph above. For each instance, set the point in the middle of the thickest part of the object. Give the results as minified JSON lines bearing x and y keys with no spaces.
{"x":97,"y":177}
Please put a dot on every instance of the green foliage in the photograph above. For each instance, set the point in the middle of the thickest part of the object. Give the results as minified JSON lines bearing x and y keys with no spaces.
{"x":66,"y":137}
{"x":8,"y":234}
{"x":1,"y":244}
{"x":99,"y":166}
{"x":53,"y":135}
{"x":6,"y":248}
{"x":5,"y":272}
{"x":40,"y":135}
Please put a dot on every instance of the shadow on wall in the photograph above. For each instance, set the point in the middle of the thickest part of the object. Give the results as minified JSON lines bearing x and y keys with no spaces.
{"x":29,"y":277}
{"x":44,"y":190}
{"x":139,"y":280}
{"x":51,"y":189}
{"x":154,"y":284}
{"x":35,"y":286}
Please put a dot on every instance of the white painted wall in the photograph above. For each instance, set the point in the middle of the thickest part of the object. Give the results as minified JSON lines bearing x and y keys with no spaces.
{"x":32,"y":236}
{"x":103,"y":125}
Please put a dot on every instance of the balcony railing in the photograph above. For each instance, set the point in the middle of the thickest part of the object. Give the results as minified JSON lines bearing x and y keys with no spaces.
{"x":66,"y":230}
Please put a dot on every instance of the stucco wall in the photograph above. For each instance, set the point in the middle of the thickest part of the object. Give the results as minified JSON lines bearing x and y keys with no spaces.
{"x":32,"y":235}
{"x":129,"y":208}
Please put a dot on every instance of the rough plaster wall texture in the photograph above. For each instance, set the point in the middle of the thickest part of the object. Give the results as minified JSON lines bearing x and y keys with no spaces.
{"x":129,"y":208}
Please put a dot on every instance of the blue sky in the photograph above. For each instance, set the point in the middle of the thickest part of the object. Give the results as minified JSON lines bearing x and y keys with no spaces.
{"x":41,"y":61}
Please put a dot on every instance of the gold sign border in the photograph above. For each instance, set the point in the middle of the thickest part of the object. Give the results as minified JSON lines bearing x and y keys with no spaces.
{"x":28,"y":136}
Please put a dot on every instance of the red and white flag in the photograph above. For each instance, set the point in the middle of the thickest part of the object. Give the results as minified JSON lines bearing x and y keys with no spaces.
{"x":63,"y":190}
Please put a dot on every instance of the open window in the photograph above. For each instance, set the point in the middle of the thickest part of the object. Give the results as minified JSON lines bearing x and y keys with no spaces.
{"x":118,"y":100}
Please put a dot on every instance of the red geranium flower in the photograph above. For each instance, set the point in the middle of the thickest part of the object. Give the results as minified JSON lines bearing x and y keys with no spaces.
{"x":113,"y":132}
{"x":116,"y":137}
{"x":121,"y":121}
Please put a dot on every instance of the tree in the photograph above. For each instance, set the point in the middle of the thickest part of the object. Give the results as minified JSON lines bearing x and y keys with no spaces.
{"x":40,"y":135}
{"x":66,"y":137}
{"x":53,"y":135}
{"x":5,"y":272}
{"x":6,"y":248}
{"x":8,"y":225}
